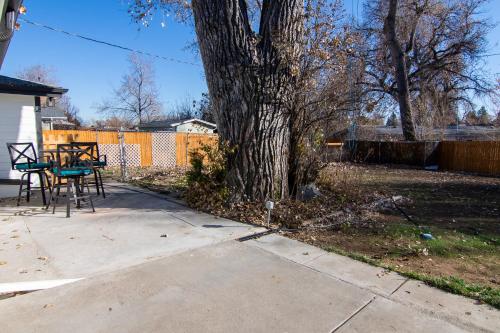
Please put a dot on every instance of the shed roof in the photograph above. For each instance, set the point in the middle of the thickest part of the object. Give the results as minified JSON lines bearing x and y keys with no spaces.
{"x":195,"y":120}
{"x":160,"y":123}
{"x":176,"y":122}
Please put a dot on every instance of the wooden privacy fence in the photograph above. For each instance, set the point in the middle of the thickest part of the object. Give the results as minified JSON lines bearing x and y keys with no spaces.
{"x":481,"y":157}
{"x":142,"y":148}
{"x":187,"y":142}
{"x":420,"y":153}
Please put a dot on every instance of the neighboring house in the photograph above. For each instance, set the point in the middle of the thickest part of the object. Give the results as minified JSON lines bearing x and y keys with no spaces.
{"x":9,"y":10}
{"x":21,"y":118}
{"x":388,"y":133}
{"x":54,"y":118}
{"x":192,"y":125}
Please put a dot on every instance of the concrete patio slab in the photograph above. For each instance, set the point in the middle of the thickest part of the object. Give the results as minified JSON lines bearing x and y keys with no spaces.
{"x":386,"y":316}
{"x":229,"y":287}
{"x":128,"y":228}
{"x":452,"y":307}
{"x":375,"y":279}
{"x":346,"y":269}
{"x":8,"y":190}
{"x":288,"y":248}
{"x":151,"y":264}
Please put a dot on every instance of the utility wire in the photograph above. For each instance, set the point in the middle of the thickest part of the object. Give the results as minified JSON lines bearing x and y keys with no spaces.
{"x":490,"y":55}
{"x":90,"y":39}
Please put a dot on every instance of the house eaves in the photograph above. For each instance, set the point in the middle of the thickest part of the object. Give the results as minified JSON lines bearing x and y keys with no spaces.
{"x":8,"y":17}
{"x":10,"y":85}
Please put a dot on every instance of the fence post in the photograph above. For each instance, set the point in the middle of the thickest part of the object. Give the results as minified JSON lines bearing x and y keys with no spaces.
{"x":123,"y":155}
{"x":187,"y":148}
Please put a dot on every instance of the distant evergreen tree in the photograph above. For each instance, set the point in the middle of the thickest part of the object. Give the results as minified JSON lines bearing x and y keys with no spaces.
{"x":392,"y":121}
{"x":483,"y":117}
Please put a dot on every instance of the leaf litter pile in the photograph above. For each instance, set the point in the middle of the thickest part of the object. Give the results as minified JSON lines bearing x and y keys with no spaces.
{"x":339,"y":204}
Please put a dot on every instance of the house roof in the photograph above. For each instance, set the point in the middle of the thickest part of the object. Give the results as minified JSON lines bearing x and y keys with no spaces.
{"x":195,"y":120}
{"x":53,"y":112}
{"x":62,"y":122}
{"x":10,"y":85}
{"x":160,"y":123}
{"x":388,"y":133}
{"x":176,"y":122}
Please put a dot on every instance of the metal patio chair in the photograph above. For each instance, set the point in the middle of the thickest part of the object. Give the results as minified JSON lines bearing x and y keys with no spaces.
{"x":90,"y":151}
{"x":23,"y":158}
{"x":69,"y":166}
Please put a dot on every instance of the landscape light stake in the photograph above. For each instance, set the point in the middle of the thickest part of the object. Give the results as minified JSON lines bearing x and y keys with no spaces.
{"x":269,"y":206}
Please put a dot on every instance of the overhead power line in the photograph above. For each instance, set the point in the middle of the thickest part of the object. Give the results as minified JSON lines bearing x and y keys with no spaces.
{"x":491,"y":55}
{"x":90,"y":39}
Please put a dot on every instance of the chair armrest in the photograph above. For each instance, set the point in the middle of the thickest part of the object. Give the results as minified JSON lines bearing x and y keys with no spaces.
{"x":46,"y":158}
{"x":46,"y":153}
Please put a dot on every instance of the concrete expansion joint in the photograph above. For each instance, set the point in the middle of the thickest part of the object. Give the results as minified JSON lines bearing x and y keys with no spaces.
{"x":256,"y":235}
{"x":361,"y":308}
{"x":399,"y":287}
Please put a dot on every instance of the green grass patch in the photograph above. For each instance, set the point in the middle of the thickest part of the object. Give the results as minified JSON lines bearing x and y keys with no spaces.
{"x":450,"y":284}
{"x":458,"y":286}
{"x":446,"y":243}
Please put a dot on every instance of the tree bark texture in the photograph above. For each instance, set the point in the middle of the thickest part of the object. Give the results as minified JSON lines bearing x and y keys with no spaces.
{"x":250,"y":78}
{"x":400,"y":72}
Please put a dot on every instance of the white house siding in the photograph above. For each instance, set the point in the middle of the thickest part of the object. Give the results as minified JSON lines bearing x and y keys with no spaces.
{"x":18,"y":123}
{"x":193,"y":128}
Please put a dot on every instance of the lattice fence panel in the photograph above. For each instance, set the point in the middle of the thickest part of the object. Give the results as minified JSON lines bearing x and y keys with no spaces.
{"x":164,"y":149}
{"x":112,"y":152}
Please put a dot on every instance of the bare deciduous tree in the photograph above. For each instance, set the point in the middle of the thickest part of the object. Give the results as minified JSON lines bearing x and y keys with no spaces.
{"x":323,"y":94}
{"x":441,"y":43}
{"x":184,"y":109}
{"x":136,"y":100}
{"x":111,"y":123}
{"x":400,"y":70}
{"x":45,"y":75}
{"x":70,"y":110}
{"x":38,"y":73}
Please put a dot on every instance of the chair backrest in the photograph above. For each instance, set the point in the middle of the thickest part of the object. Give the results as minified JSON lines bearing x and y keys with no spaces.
{"x":73,"y":156}
{"x":21,"y":153}
{"x":90,"y":150}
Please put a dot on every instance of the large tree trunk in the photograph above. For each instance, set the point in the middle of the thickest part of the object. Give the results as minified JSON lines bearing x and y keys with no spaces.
{"x":250,"y":79}
{"x":399,"y":63}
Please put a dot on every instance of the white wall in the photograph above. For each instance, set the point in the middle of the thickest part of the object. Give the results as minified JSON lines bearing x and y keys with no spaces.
{"x":193,"y":128}
{"x":18,"y":123}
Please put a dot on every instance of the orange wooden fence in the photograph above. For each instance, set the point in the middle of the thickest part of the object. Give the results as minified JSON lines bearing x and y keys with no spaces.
{"x":471,"y":156}
{"x":54,"y":137}
{"x":185,"y":142}
{"x":188,"y":142}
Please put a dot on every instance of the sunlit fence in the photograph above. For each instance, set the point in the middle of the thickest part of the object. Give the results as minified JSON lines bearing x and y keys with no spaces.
{"x":165,"y":149}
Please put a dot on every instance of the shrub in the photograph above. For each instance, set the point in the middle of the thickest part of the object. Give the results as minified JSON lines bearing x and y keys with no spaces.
{"x":206,"y":178}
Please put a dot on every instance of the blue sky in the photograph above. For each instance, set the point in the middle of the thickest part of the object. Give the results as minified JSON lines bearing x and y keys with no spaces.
{"x":91,"y":70}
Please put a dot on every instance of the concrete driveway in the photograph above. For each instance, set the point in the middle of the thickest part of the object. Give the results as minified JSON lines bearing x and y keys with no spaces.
{"x":147,"y":264}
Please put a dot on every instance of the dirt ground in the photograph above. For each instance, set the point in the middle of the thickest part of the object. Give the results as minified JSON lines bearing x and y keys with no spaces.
{"x":461,"y":211}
